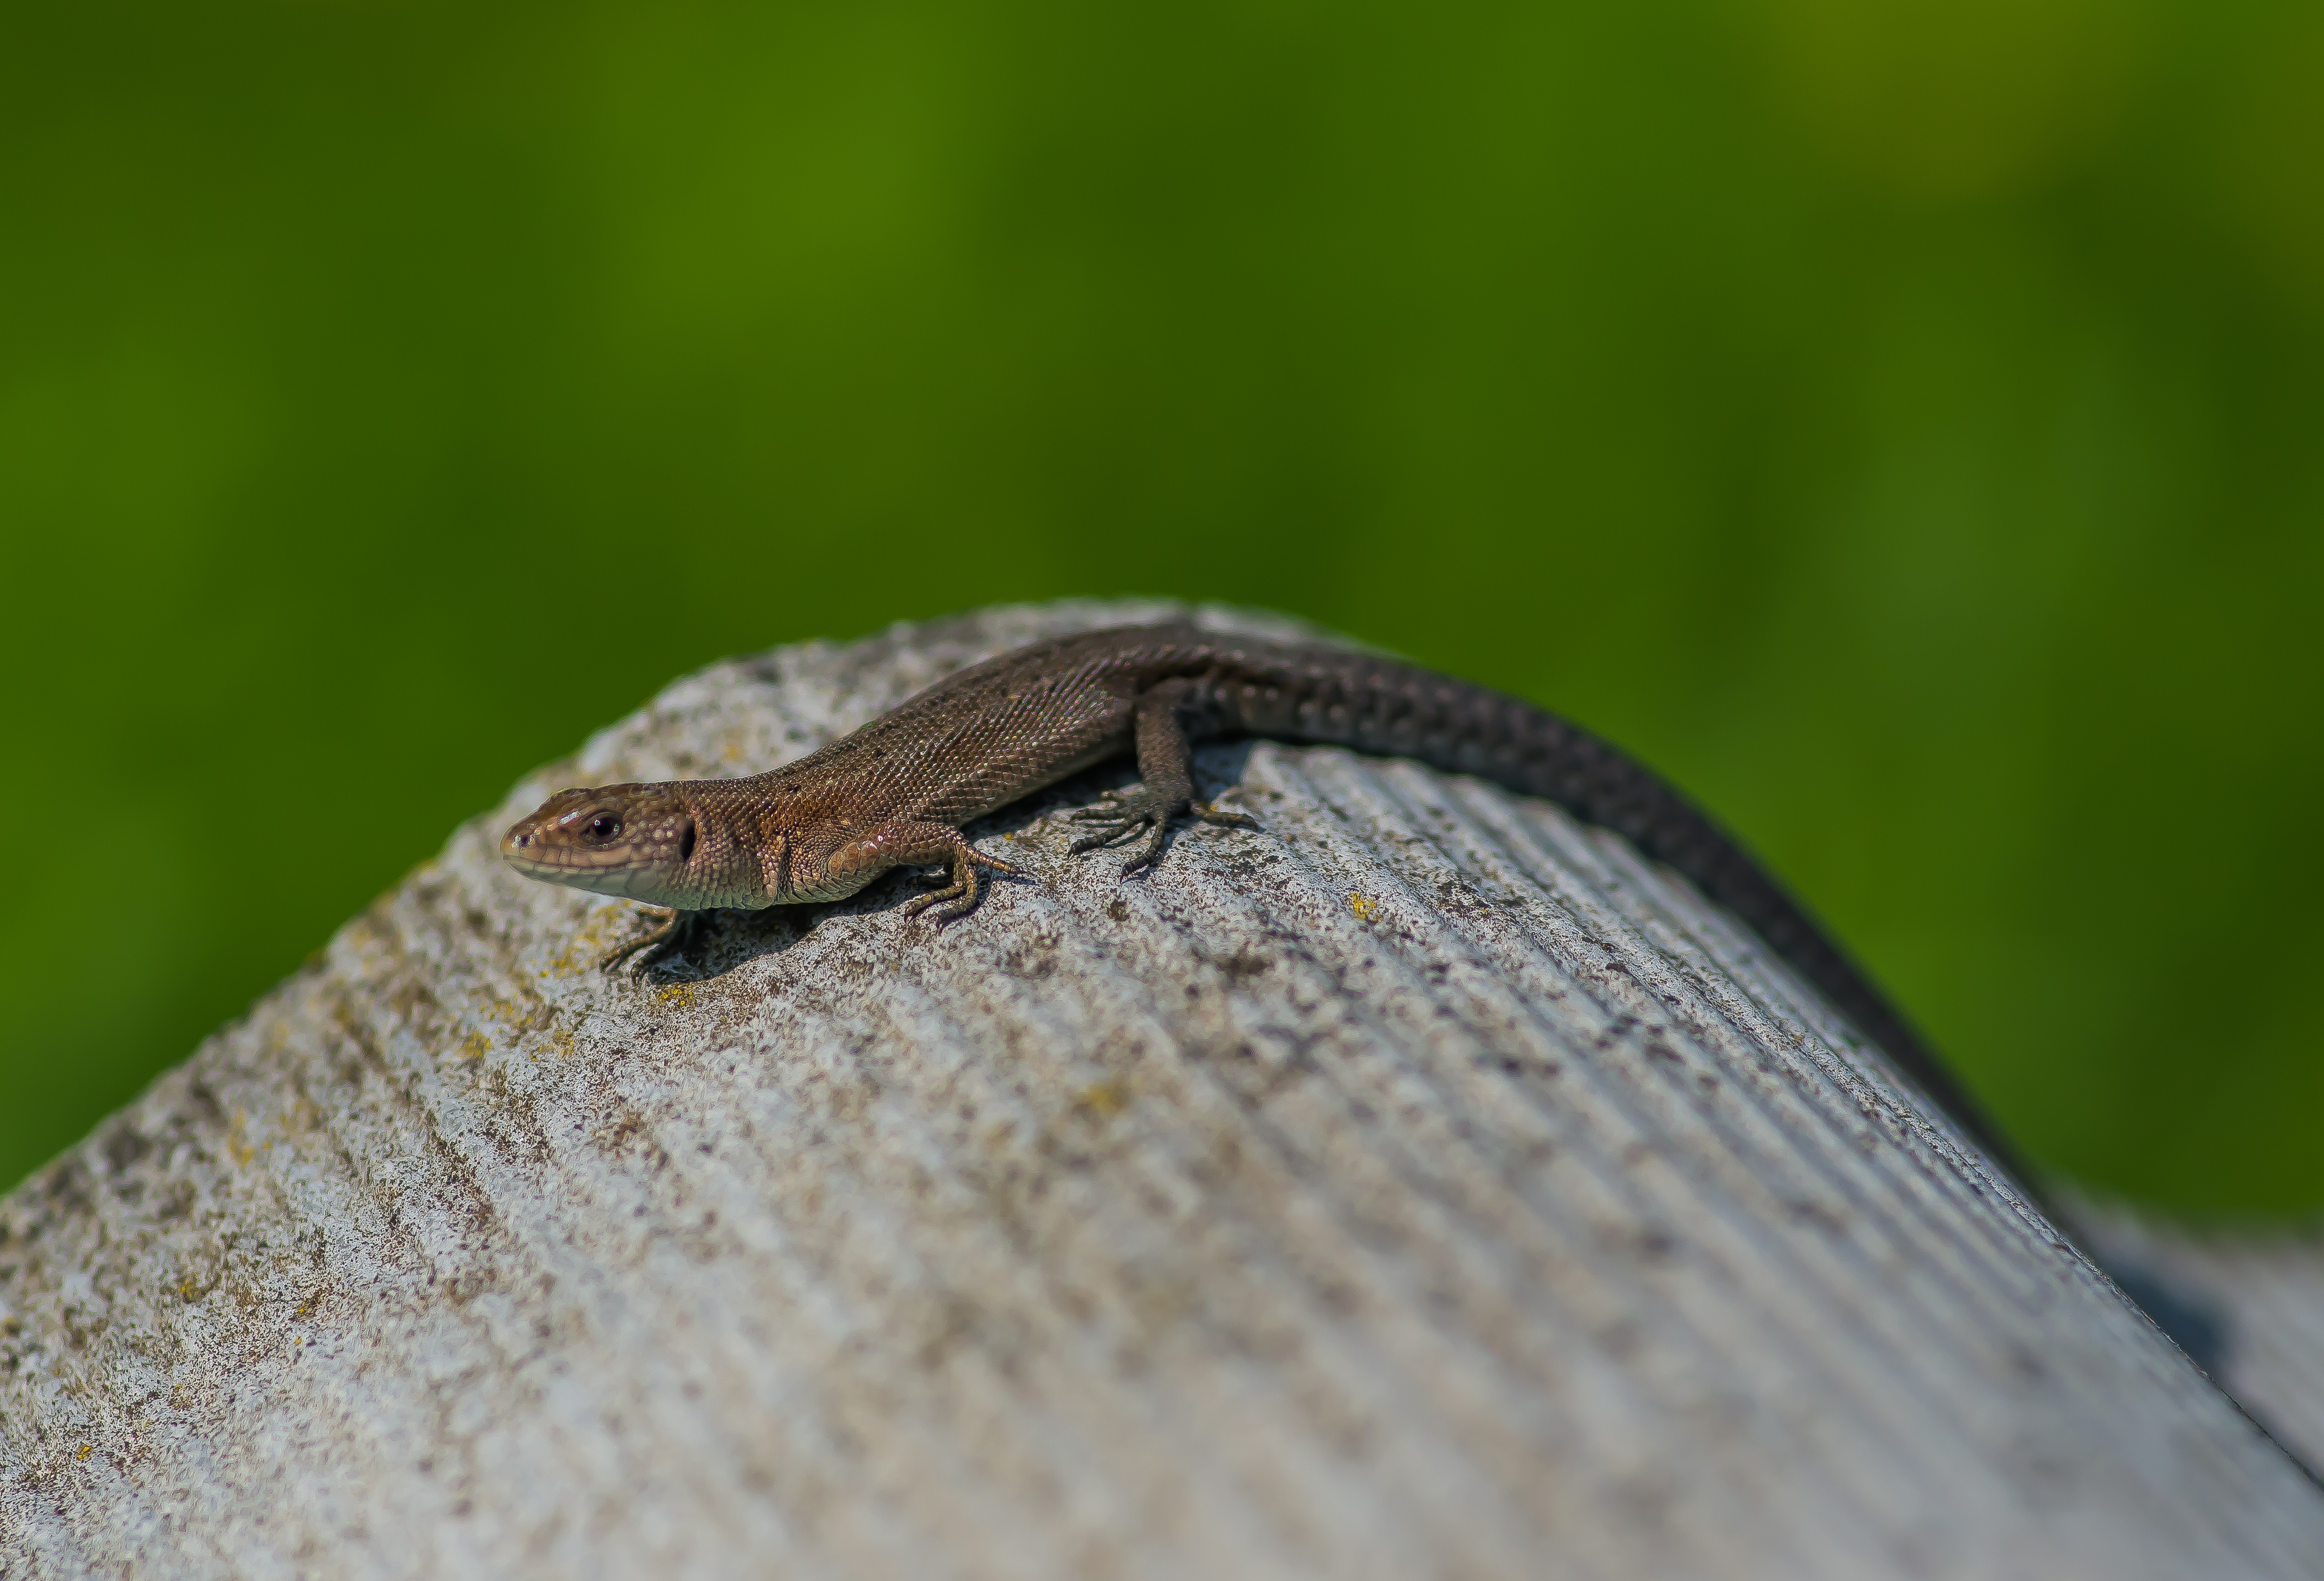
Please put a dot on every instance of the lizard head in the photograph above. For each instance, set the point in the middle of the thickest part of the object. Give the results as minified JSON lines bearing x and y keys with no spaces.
{"x":633,"y":840}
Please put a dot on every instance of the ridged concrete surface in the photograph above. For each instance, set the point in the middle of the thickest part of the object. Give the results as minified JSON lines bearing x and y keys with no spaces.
{"x":1420,"y":1187}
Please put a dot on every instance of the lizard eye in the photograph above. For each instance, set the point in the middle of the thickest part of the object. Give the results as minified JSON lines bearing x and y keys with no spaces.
{"x":604,"y":826}
{"x":685,"y":843}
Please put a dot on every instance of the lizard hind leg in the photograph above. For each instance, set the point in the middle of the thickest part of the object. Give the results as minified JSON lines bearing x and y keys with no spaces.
{"x":1164,"y":761}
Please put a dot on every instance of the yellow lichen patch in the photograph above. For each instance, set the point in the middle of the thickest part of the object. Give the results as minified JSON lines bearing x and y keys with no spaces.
{"x":1363,"y":906}
{"x":587,"y":946}
{"x":239,"y":1150}
{"x":570,"y":959}
{"x":474,"y":1047}
{"x":678,"y":995}
{"x":84,"y":1452}
{"x":1104,"y":1099}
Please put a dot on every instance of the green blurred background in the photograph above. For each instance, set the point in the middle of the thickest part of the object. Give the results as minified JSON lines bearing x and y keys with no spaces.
{"x":1903,"y":423}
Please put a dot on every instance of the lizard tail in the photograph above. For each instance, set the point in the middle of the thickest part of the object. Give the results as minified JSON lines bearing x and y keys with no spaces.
{"x":1377,"y":705}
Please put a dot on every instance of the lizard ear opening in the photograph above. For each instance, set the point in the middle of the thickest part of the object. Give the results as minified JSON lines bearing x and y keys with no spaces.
{"x":685,"y":843}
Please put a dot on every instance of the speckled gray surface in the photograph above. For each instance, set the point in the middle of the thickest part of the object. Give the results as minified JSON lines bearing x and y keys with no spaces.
{"x":1421,"y":1187}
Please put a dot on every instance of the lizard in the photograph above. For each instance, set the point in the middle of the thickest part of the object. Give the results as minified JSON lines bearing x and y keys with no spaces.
{"x":897,"y":791}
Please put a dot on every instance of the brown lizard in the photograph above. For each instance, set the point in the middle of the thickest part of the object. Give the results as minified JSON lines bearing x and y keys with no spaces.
{"x":897,"y":791}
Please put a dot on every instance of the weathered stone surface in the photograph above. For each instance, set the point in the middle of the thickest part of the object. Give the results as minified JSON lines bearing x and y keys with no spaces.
{"x":1422,"y":1187}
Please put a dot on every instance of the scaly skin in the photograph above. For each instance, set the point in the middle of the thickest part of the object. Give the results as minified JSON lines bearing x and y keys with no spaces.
{"x":897,"y":791}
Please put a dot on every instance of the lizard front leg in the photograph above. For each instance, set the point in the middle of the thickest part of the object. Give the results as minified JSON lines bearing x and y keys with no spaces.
{"x":920,"y":844}
{"x":1165,"y":762}
{"x":676,"y":932}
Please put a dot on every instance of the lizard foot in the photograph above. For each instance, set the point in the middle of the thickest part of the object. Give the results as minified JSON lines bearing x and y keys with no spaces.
{"x":1142,"y":810}
{"x":966,"y":890}
{"x":676,"y":932}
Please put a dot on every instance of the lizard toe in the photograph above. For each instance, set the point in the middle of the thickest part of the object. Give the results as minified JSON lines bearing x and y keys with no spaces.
{"x":1113,"y":835}
{"x":1149,"y":854}
{"x":1210,"y":813}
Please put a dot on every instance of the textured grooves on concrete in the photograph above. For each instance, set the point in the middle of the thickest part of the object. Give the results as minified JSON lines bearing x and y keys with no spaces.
{"x":1421,"y":1187}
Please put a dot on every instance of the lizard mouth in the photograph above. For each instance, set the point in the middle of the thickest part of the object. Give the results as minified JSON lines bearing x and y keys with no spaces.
{"x":604,"y":873}
{"x":531,"y":852}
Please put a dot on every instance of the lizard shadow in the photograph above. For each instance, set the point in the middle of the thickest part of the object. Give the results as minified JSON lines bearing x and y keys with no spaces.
{"x":722,"y":941}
